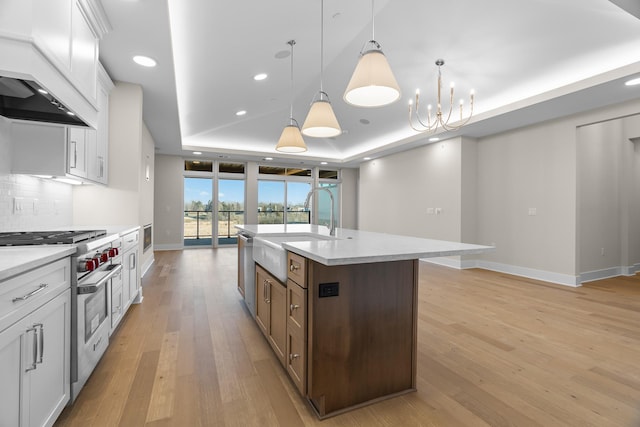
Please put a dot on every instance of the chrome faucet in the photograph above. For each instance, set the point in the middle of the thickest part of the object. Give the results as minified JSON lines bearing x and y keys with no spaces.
{"x":332,"y":224}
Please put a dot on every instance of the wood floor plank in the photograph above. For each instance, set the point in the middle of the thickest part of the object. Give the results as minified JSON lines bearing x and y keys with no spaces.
{"x":493,"y":350}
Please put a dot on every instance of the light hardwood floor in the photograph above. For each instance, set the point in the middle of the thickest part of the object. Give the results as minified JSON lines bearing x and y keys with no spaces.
{"x":493,"y":350}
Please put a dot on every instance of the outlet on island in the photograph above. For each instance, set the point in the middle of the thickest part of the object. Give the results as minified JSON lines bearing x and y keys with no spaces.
{"x":329,"y":290}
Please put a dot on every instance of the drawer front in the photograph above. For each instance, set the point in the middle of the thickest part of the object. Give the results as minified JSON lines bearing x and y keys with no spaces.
{"x":130,"y":241}
{"x":297,"y":361}
{"x":21,"y":295}
{"x":297,"y":269}
{"x":296,"y":307}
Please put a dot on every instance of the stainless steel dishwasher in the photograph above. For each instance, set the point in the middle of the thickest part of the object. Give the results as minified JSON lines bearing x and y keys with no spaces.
{"x":247,"y":272}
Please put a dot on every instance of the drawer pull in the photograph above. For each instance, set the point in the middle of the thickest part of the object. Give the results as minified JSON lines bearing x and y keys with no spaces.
{"x":293,"y":267}
{"x":32,"y":293}
{"x":292,"y":357}
{"x":293,"y":307}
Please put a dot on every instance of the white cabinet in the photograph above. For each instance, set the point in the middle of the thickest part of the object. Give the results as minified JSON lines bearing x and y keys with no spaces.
{"x":57,"y":150}
{"x":116,"y":302}
{"x":35,"y":349}
{"x":77,"y":152}
{"x":130,"y":277}
{"x":84,"y":51}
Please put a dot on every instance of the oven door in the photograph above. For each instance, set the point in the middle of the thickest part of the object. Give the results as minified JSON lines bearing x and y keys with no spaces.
{"x":92,"y":323}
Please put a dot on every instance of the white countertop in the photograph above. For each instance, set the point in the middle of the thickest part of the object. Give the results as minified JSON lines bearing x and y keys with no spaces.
{"x":16,"y":260}
{"x":357,"y":247}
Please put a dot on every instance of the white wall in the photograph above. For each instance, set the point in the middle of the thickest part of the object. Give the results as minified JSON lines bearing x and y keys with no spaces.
{"x":517,"y":173}
{"x":401,"y":193}
{"x":117,"y":204}
{"x":168,"y":201}
{"x":609,"y":209}
{"x":349,"y":198}
{"x":52,"y":207}
{"x":146,"y":189}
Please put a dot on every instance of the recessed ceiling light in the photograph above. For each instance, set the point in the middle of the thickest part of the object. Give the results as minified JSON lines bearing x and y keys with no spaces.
{"x":367,"y":158}
{"x":260,"y":76}
{"x":196,"y":162}
{"x":71,"y":113}
{"x":145,"y":61}
{"x":42,"y":91}
{"x":324,"y":163}
{"x":197,"y":153}
{"x":268,"y":158}
{"x":241,"y":112}
{"x":633,"y":82}
{"x":434,"y":139}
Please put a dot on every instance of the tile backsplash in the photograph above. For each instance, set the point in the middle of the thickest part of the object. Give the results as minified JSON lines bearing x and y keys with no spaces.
{"x":31,"y":203}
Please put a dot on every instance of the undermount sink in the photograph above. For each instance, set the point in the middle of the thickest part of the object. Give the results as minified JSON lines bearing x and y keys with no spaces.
{"x":269,"y":253}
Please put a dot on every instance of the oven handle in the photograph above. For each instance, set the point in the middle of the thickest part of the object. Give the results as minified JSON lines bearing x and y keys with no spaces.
{"x":92,"y":288}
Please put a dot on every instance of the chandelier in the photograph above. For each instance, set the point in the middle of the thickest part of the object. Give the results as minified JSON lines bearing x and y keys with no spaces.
{"x":445,"y":120}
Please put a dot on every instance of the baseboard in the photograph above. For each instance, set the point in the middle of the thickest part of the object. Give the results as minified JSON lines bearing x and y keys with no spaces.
{"x":531,"y":273}
{"x":146,"y":266}
{"x":169,"y":247}
{"x":606,"y":273}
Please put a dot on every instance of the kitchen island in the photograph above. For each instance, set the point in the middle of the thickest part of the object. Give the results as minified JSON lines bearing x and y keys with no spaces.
{"x":342,"y":315}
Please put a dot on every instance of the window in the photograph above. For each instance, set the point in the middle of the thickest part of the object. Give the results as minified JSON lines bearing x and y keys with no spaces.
{"x":271,"y":202}
{"x":296,"y":195}
{"x":198,"y":165}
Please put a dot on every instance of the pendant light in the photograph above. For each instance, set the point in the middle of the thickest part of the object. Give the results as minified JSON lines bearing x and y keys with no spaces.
{"x":291,"y":139}
{"x":372,"y":83}
{"x":321,"y":122}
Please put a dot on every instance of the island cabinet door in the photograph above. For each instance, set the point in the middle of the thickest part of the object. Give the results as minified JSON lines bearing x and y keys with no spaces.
{"x":271,"y":312}
{"x":297,"y":335}
{"x":262,"y":304}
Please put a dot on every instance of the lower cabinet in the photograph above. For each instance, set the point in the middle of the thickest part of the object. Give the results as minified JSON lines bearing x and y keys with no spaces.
{"x":130,"y":280}
{"x":297,"y":335}
{"x":271,"y":312}
{"x":34,"y":365}
{"x":116,"y":302}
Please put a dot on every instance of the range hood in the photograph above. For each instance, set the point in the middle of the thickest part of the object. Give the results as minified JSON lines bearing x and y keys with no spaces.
{"x":26,"y":100}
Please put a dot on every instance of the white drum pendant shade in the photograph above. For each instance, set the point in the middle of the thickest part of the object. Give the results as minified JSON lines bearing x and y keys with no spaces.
{"x":321,"y":121}
{"x":372,"y":83}
{"x":291,"y":140}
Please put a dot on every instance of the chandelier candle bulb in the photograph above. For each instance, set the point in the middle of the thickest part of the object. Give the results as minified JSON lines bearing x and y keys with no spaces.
{"x":441,"y":118}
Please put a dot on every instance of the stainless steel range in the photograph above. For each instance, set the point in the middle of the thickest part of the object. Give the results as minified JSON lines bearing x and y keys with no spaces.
{"x":92,"y":269}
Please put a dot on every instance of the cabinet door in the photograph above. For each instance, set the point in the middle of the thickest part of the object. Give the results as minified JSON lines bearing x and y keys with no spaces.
{"x":134,"y":284}
{"x":277,"y":297}
{"x":102,"y":143}
{"x":48,"y":384}
{"x":77,"y":161}
{"x":241,"y":261}
{"x":91,"y":154}
{"x":262,"y":305}
{"x":84,"y":52}
{"x":116,"y":304}
{"x":11,"y":372}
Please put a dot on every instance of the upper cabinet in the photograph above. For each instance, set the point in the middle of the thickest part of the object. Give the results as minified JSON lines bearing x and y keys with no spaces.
{"x":55,"y":43}
{"x":57,"y":151}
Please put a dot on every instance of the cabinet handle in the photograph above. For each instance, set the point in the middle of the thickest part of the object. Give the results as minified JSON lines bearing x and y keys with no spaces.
{"x":293,"y":267}
{"x":101,"y":167}
{"x":132,"y":260}
{"x":293,"y":307}
{"x":97,"y":344}
{"x":293,"y":356}
{"x":41,"y":343}
{"x":268,"y":292}
{"x":35,"y":348}
{"x":30,"y":294}
{"x":75,"y":154}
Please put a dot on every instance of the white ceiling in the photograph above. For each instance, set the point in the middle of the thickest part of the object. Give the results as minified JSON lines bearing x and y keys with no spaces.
{"x":528,"y":61}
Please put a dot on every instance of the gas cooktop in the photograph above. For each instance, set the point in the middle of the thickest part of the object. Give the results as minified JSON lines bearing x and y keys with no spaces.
{"x":25,"y":238}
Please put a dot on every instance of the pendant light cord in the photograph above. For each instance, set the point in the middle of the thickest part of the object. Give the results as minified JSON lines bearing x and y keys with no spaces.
{"x":291,"y":43}
{"x":321,"y":44}
{"x":373,"y":23}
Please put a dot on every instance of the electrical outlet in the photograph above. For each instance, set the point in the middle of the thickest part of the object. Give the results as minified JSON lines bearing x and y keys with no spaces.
{"x":18,"y":205}
{"x":438,"y":211}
